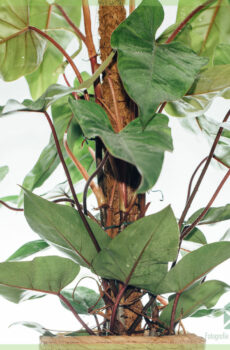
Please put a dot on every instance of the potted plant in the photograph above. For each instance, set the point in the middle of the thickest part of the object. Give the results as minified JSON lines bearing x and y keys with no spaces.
{"x":111,"y":130}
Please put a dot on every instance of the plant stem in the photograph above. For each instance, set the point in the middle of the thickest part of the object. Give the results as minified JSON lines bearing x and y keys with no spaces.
{"x":9,"y":207}
{"x":187,"y":19}
{"x":118,"y":119}
{"x":88,"y":31}
{"x":221,"y":162}
{"x":49,"y":16}
{"x":60,"y":48}
{"x":192,"y":178}
{"x":174,"y":313}
{"x":215,"y":143}
{"x":68,"y":304}
{"x":191,"y":227}
{"x":114,"y":310}
{"x":75,"y":95}
{"x":84,"y":220}
{"x":90,"y":179}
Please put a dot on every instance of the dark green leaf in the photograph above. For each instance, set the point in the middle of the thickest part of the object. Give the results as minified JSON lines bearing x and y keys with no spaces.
{"x":35,"y":326}
{"x":62,"y":227}
{"x":3,"y":172}
{"x":196,"y":236}
{"x":206,"y":294}
{"x":144,"y":149}
{"x":19,"y":279}
{"x":152,"y":73}
{"x":213,"y":215}
{"x":84,"y":298}
{"x":139,"y":255}
{"x":28,"y":249}
{"x":193,"y":266}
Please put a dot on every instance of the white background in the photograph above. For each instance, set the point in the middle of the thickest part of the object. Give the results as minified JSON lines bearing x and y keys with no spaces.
{"x":22,"y":137}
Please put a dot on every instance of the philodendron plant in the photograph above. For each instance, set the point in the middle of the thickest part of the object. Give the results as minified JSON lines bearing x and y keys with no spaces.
{"x":109,"y":128}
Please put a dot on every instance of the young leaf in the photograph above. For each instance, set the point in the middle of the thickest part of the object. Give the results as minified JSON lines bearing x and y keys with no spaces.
{"x":19,"y":279}
{"x":213,"y":215}
{"x":206,"y":294}
{"x":194,"y":266}
{"x":62,"y":227}
{"x":139,"y":255}
{"x":83,"y":299}
{"x":3,"y":172}
{"x":12,"y":199}
{"x":152,"y":73}
{"x":28,"y":249}
{"x":142,"y":148}
{"x":35,"y":326}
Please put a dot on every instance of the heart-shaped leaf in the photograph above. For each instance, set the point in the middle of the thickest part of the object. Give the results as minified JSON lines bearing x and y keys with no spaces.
{"x":194,"y":266}
{"x":28,"y":249}
{"x":139,"y":255}
{"x":62,"y":227}
{"x":206,"y":294}
{"x":82,"y":299}
{"x":20,"y":281}
{"x":152,"y":73}
{"x":142,"y":148}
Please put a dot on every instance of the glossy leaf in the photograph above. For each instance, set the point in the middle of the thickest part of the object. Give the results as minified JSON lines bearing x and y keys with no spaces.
{"x":194,"y":266}
{"x":152,"y":73}
{"x":210,"y":84}
{"x":21,"y":49}
{"x":19,"y":279}
{"x":202,"y":295}
{"x":28,"y":249}
{"x":35,"y":326}
{"x":62,"y":227}
{"x":3,"y":172}
{"x":142,"y":148}
{"x":139,"y":255}
{"x":213,"y":215}
{"x":214,"y":29}
{"x":84,"y":298}
{"x":196,"y":236}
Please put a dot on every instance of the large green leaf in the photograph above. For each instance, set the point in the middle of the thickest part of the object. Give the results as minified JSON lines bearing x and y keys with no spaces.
{"x":210,"y":84}
{"x":46,"y":275}
{"x":62,"y":227}
{"x":194,"y":266}
{"x":82,"y":299}
{"x":21,"y":49}
{"x":28,"y":249}
{"x":152,"y":73}
{"x":209,"y":28}
{"x":3,"y":171}
{"x":213,"y":215}
{"x":142,"y":148}
{"x":206,"y":294}
{"x":139,"y":255}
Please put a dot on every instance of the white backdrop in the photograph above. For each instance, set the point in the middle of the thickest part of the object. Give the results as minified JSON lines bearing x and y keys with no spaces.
{"x":22,"y":137}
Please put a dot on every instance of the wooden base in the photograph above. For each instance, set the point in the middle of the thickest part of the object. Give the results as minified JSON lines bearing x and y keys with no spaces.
{"x":176,"y":342}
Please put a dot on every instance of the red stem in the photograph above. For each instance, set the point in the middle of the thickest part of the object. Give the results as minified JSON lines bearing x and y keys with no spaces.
{"x":187,"y":19}
{"x":114,"y":312}
{"x":60,"y":48}
{"x":75,"y":95}
{"x":9,"y":207}
{"x":215,"y":143}
{"x":192,"y":178}
{"x":84,"y":220}
{"x":174,"y":312}
{"x":68,"y":304}
{"x":191,"y":227}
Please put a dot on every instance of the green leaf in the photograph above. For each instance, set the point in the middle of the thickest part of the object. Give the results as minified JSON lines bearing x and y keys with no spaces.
{"x":28,"y":249}
{"x":35,"y":326}
{"x":152,"y":73}
{"x":11,"y":199}
{"x":194,"y":266}
{"x":208,"y":312}
{"x":209,"y":28}
{"x":3,"y":172}
{"x":196,"y":236}
{"x":213,"y":82}
{"x":142,"y":148}
{"x":213,"y":215}
{"x":206,"y":294}
{"x":222,"y":54}
{"x":21,"y":49}
{"x":139,"y":255}
{"x":226,"y":236}
{"x":19,"y":279}
{"x":85,"y":76}
{"x":62,"y":227}
{"x":84,"y":298}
